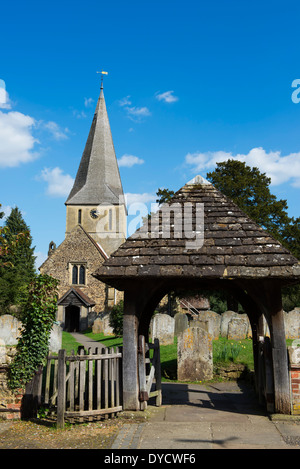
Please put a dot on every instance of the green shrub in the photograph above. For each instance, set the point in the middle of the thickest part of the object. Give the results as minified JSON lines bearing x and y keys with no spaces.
{"x":116,"y":318}
{"x":37,"y":320}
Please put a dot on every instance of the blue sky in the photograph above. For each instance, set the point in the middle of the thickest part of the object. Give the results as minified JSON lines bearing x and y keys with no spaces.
{"x":189,"y":83}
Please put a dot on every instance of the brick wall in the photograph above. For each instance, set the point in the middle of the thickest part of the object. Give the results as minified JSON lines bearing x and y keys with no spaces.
{"x":295,"y":388}
{"x":10,"y":402}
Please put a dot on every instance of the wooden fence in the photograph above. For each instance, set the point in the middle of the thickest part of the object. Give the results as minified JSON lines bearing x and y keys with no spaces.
{"x":149,"y":372}
{"x":83,"y":387}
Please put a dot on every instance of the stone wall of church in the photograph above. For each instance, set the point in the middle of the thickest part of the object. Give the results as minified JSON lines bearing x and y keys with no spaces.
{"x":77,"y":248}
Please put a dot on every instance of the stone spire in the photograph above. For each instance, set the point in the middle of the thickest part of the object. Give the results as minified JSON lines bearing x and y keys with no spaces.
{"x":98,"y":179}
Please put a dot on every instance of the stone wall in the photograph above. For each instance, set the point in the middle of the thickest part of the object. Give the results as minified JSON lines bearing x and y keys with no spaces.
{"x":10,"y":402}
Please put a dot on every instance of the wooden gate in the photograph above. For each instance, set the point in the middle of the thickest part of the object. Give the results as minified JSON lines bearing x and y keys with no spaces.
{"x":265,"y":383}
{"x":149,"y":372}
{"x":83,"y":387}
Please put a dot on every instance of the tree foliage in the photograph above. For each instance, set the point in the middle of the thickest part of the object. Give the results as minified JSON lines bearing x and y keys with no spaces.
{"x":17,"y":262}
{"x":37,"y":321}
{"x":116,"y":318}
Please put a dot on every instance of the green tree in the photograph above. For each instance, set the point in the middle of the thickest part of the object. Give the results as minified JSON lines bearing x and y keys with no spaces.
{"x":249,"y":189}
{"x":18,"y":266}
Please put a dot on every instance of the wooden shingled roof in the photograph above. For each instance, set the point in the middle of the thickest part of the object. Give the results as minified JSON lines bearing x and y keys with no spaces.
{"x":234,"y":246}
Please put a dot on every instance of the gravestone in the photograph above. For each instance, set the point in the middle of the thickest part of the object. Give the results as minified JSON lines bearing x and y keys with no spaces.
{"x":214,"y":322}
{"x":10,"y":332}
{"x":162,"y":328}
{"x":181,"y":323}
{"x":55,"y":341}
{"x":292,"y":324}
{"x":194,"y":355}
{"x":9,"y":329}
{"x":237,"y":329}
{"x":225,"y":319}
{"x":101,"y":325}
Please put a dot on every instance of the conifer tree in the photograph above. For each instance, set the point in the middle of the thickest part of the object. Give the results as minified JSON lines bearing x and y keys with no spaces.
{"x":19,"y":267}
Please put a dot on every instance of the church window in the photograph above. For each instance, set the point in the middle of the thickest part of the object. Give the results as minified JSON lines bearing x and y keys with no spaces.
{"x":110,"y":222}
{"x":82,"y":275}
{"x":79,"y":216}
{"x":75,"y":274}
{"x":78,"y":274}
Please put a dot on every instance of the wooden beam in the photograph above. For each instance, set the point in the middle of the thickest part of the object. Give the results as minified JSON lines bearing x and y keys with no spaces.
{"x":130,"y":352}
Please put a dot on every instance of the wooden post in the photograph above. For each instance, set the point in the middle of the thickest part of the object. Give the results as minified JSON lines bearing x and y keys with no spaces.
{"x":279,"y":351}
{"x":61,"y":396}
{"x":158,"y":374}
{"x":143,"y":395}
{"x":130,"y":353}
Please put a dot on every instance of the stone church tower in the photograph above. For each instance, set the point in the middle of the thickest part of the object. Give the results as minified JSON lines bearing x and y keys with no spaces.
{"x":95,"y":227}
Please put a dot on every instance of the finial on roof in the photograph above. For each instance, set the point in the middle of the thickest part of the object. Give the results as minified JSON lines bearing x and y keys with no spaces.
{"x":101,"y":87}
{"x":197,"y":180}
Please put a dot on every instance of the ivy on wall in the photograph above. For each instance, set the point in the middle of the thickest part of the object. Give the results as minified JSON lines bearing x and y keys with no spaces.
{"x":37,"y":320}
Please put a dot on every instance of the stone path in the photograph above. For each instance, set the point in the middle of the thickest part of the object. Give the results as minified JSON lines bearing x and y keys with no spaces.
{"x":220,"y":416}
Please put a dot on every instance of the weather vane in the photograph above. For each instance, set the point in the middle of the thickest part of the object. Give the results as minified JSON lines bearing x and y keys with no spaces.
{"x":102,"y":73}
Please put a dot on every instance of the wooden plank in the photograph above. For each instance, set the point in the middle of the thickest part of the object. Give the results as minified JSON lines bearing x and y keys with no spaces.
{"x":72,"y":385}
{"x":47,"y":383}
{"x":82,"y":373}
{"x":101,"y":356}
{"x":61,"y":397}
{"x":90,"y":382}
{"x":98,"y":380}
{"x":117,"y":379}
{"x":87,"y":413}
{"x":106,"y":380}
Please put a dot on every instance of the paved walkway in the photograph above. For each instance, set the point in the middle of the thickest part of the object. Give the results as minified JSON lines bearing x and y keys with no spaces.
{"x":219,"y":416}
{"x":86,"y":341}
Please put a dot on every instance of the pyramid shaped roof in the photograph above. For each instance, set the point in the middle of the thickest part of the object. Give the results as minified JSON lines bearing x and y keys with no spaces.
{"x":227,"y":244}
{"x":98,"y":179}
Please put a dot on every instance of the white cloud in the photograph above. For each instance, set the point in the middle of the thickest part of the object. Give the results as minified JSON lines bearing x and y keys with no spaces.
{"x":137,"y":113}
{"x":59,"y":184}
{"x":129,"y":160}
{"x":55,"y":130}
{"x":17,"y":141}
{"x":125,"y":101}
{"x":167,"y":97}
{"x":279,"y":168}
{"x":144,"y":198}
{"x":88,"y":102}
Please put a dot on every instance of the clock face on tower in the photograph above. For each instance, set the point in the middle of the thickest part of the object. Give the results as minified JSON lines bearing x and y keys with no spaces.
{"x":94,"y":213}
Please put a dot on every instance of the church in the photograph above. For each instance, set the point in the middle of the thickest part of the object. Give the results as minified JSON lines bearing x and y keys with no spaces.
{"x":95,"y":227}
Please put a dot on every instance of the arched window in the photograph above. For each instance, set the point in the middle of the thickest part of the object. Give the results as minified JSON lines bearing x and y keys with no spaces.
{"x":79,"y":216}
{"x":82,"y":275}
{"x":75,"y":274}
{"x":78,"y":274}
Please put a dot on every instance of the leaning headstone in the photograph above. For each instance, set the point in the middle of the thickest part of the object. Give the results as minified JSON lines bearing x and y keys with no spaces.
{"x":163,"y":327}
{"x":181,"y":323}
{"x":194,"y":355}
{"x":225,"y":319}
{"x":214,"y":322}
{"x":237,"y":329}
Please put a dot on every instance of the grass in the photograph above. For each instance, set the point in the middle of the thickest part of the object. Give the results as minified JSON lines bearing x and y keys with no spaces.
{"x":225,"y":352}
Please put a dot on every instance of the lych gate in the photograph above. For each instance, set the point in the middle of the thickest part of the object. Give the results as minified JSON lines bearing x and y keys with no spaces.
{"x":229,"y":251}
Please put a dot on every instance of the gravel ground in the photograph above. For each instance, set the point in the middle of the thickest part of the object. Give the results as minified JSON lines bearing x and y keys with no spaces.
{"x":30,"y":435}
